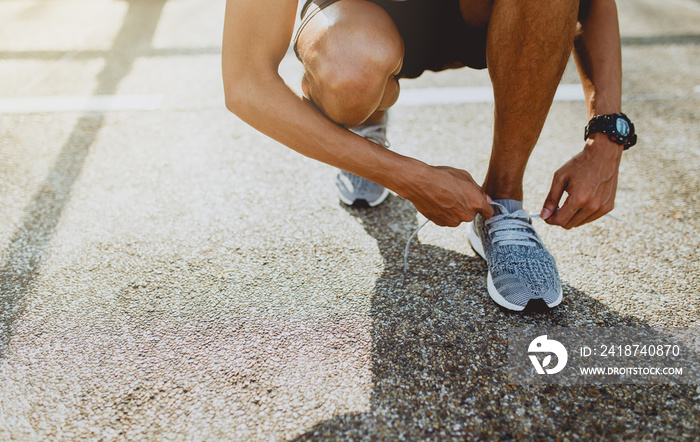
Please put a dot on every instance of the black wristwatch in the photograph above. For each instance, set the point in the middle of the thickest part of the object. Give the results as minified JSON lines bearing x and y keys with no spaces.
{"x":617,"y":127}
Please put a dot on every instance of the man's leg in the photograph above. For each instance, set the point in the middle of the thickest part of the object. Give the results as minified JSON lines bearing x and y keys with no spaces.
{"x":351,"y":52}
{"x":527,"y":50}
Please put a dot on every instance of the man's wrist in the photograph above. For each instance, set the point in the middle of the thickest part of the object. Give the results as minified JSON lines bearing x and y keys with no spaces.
{"x":600,"y":145}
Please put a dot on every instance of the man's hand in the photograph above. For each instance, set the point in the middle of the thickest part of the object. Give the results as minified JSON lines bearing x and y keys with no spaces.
{"x":590,"y":180}
{"x":448,"y":196}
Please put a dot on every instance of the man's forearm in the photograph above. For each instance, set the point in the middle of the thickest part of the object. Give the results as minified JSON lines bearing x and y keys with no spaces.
{"x":598,"y":58}
{"x":590,"y":178}
{"x":272,"y":108}
{"x":256,"y":37}
{"x":257,"y":94}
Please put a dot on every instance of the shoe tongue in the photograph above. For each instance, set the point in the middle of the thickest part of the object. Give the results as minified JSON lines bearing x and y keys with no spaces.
{"x":364,"y":130}
{"x":513,"y":206}
{"x":510,"y":205}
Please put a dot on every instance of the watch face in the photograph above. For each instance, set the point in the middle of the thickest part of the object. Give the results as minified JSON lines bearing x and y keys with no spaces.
{"x":622,"y":127}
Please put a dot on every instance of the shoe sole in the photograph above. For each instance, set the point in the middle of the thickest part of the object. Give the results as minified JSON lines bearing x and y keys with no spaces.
{"x":358,"y":202}
{"x":475,"y":242}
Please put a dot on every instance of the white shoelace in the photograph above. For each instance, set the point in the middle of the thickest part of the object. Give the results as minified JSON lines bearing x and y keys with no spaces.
{"x":513,"y":230}
{"x":408,"y":245}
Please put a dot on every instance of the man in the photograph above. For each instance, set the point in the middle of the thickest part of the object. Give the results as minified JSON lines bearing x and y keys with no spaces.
{"x":354,"y":52}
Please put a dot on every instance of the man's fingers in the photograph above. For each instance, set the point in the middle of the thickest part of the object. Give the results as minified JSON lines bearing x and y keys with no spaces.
{"x":591,"y":208}
{"x":456,"y":198}
{"x":556,"y":191}
{"x":604,"y":210}
{"x":487,"y":210}
{"x":591,"y":218}
{"x":565,"y":214}
{"x":579,"y":218}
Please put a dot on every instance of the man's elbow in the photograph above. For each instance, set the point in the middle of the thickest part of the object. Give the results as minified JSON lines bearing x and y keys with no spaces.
{"x":236,"y":98}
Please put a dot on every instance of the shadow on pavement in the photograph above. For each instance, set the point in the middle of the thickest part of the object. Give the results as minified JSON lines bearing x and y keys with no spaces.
{"x":28,"y":246}
{"x":439,"y":365}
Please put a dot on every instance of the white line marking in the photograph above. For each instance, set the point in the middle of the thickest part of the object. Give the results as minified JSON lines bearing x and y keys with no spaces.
{"x":569,"y":92}
{"x":687,"y":4}
{"x":445,"y":95}
{"x":484,"y":94}
{"x":408,"y":97}
{"x":95,"y":103}
{"x":463,"y":95}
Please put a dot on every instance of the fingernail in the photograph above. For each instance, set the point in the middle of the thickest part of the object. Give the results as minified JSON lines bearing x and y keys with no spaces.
{"x":488,"y":198}
{"x":545,"y":213}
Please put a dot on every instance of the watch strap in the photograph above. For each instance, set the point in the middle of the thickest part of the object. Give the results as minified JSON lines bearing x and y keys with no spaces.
{"x":606,"y":125}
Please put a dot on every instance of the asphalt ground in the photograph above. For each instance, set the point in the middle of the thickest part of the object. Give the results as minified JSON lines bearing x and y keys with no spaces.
{"x":167,"y":273}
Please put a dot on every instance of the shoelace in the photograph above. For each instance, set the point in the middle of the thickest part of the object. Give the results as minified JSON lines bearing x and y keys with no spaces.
{"x":513,"y":230}
{"x":408,"y":245}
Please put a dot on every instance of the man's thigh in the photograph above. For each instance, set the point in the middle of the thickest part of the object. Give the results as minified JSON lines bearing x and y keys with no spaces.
{"x":437,"y":34}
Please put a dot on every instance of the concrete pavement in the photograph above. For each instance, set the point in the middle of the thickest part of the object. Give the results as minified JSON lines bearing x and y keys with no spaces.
{"x":171,"y":274}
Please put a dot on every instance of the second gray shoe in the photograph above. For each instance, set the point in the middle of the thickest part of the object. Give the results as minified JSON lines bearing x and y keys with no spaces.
{"x":354,"y":190}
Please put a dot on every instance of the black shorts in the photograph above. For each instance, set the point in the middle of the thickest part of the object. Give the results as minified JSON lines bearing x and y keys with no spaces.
{"x":434,"y":33}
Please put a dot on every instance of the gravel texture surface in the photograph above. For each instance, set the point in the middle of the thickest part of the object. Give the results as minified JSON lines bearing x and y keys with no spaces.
{"x":174,"y":275}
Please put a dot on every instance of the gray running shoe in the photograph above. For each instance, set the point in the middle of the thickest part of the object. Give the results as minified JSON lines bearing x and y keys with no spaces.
{"x":354,"y":190}
{"x":521,"y":272}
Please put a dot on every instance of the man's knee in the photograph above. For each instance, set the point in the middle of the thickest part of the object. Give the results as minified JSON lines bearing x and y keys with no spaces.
{"x":349,"y":67}
{"x":351,"y":90}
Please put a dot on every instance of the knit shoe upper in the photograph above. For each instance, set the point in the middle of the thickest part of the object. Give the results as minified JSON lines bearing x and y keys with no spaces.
{"x":520,"y":269}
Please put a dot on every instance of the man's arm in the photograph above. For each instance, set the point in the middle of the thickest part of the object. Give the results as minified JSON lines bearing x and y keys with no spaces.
{"x":590,"y":178}
{"x":256,"y":37}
